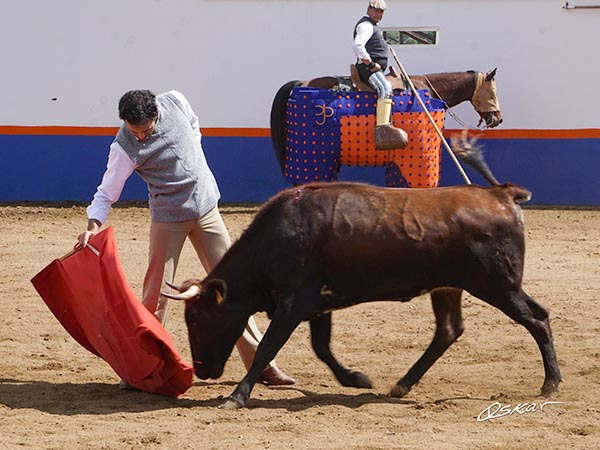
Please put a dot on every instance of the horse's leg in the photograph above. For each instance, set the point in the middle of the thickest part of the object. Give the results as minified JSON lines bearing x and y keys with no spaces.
{"x":526,"y":311}
{"x":320,"y":333}
{"x":449,"y":326}
{"x":335,"y":172}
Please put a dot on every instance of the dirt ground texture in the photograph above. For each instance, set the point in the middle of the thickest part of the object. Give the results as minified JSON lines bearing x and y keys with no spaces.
{"x":54,"y":394}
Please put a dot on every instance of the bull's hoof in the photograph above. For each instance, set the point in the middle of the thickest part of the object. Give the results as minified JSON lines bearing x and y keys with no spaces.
{"x":231,"y":403}
{"x":356,"y":380}
{"x":388,"y":137}
{"x":550,"y":389}
{"x":399,"y":391}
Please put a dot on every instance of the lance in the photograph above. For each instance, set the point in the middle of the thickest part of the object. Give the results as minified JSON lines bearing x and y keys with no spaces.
{"x":437,"y":129}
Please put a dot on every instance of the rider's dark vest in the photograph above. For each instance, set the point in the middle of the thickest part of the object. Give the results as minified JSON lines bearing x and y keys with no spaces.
{"x":376,"y":45}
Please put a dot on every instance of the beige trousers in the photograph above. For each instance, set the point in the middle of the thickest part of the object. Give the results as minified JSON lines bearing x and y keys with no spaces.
{"x":211,"y":240}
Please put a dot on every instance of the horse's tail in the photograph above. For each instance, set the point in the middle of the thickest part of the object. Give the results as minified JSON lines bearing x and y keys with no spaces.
{"x":278,"y":121}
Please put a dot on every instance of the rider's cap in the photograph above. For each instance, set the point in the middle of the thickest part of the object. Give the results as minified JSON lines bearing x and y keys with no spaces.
{"x":377,"y":4}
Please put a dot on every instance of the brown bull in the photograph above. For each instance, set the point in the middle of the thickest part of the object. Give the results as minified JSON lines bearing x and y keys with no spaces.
{"x":323,"y":247}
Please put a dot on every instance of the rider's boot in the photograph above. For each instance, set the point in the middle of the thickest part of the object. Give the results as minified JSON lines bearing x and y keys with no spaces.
{"x":387,"y":136}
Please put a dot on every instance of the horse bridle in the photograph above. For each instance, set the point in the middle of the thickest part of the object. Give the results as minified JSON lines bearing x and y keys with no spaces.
{"x":483,"y":100}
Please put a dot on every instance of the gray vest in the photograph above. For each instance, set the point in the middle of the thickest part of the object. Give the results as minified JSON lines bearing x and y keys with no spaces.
{"x":172,"y":163}
{"x":376,"y":46}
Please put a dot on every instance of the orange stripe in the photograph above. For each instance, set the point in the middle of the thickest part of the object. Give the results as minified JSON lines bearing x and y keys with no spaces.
{"x":59,"y":131}
{"x":111,"y":131}
{"x":236,"y":132}
{"x":581,"y":133}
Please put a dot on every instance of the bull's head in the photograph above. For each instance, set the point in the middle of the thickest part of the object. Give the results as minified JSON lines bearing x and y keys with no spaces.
{"x":485,"y":100}
{"x":213,"y":326}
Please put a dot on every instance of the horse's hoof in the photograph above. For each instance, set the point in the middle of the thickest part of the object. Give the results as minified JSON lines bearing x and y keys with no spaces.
{"x":231,"y":404}
{"x":399,"y":391}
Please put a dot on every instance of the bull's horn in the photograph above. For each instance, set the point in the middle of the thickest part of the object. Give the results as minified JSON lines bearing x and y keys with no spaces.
{"x":188,"y":294}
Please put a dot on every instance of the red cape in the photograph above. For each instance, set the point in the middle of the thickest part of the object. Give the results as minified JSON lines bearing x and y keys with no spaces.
{"x":90,"y":297}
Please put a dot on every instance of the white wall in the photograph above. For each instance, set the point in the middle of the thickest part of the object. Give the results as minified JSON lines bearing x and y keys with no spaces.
{"x":230,"y":56}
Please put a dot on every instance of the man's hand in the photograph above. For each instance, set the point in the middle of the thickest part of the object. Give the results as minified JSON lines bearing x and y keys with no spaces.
{"x":374,"y":67}
{"x":83,"y":238}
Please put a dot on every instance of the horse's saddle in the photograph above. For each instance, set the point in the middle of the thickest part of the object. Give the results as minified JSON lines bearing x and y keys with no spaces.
{"x":396,"y":80}
{"x":354,"y":83}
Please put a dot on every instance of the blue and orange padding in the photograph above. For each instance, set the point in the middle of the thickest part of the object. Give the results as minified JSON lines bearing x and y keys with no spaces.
{"x":327,"y":129}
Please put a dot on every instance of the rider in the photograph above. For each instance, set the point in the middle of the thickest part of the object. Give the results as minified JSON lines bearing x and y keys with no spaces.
{"x":371,"y":53}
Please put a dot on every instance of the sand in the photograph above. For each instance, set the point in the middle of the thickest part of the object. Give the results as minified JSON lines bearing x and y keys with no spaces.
{"x":54,"y":394}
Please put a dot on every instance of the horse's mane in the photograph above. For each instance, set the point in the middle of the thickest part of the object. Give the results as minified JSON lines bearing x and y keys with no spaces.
{"x":455,"y":83}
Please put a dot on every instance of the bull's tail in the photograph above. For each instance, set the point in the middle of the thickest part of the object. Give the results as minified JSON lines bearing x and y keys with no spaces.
{"x":278,"y":111}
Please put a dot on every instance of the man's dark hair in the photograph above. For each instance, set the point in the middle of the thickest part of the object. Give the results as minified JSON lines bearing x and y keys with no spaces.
{"x":138,"y":107}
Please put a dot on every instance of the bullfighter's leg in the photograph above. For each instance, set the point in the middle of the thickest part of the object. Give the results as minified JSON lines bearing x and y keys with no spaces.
{"x":248,"y":343}
{"x":449,"y":326}
{"x":320,"y":332}
{"x":526,"y":311}
{"x":166,"y":242}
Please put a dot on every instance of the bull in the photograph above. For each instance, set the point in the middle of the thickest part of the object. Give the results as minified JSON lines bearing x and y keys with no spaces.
{"x":326,"y":246}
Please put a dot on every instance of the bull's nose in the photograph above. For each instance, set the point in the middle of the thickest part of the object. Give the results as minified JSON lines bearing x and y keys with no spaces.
{"x":200,"y":370}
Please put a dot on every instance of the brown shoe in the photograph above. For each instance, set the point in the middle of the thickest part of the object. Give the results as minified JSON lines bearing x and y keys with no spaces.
{"x":274,"y":376}
{"x":388,"y":137}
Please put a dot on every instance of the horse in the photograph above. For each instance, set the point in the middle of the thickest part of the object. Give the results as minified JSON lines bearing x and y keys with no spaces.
{"x":451,"y":88}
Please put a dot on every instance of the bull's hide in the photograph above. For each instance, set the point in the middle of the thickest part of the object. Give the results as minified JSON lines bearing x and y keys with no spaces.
{"x":326,"y":129}
{"x":90,"y":297}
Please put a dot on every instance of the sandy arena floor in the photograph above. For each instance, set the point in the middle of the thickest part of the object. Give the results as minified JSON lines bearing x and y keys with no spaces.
{"x":54,"y":394}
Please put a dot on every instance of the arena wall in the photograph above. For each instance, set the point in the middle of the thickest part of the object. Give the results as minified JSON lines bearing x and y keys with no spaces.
{"x":66,"y":64}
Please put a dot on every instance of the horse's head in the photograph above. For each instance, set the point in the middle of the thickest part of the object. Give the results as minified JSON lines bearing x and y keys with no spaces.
{"x":485,"y":100}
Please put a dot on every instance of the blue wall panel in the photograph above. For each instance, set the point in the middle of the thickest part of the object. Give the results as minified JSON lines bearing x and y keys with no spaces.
{"x":557,"y":171}
{"x":57,"y":168}
{"x":246,"y":169}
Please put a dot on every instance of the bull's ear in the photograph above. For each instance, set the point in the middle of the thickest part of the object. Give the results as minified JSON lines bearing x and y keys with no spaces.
{"x":215,"y":290}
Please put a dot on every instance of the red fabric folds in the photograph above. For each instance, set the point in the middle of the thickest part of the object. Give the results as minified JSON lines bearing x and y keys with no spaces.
{"x":90,"y":297}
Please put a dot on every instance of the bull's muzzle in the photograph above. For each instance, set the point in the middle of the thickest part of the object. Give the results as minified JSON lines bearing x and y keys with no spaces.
{"x":200,"y":370}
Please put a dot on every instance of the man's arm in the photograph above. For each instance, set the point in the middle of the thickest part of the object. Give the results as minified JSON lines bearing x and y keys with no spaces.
{"x":364,"y":31}
{"x":118,"y":169}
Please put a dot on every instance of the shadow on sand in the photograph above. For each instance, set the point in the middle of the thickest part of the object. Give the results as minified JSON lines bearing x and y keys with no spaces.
{"x":102,"y":398}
